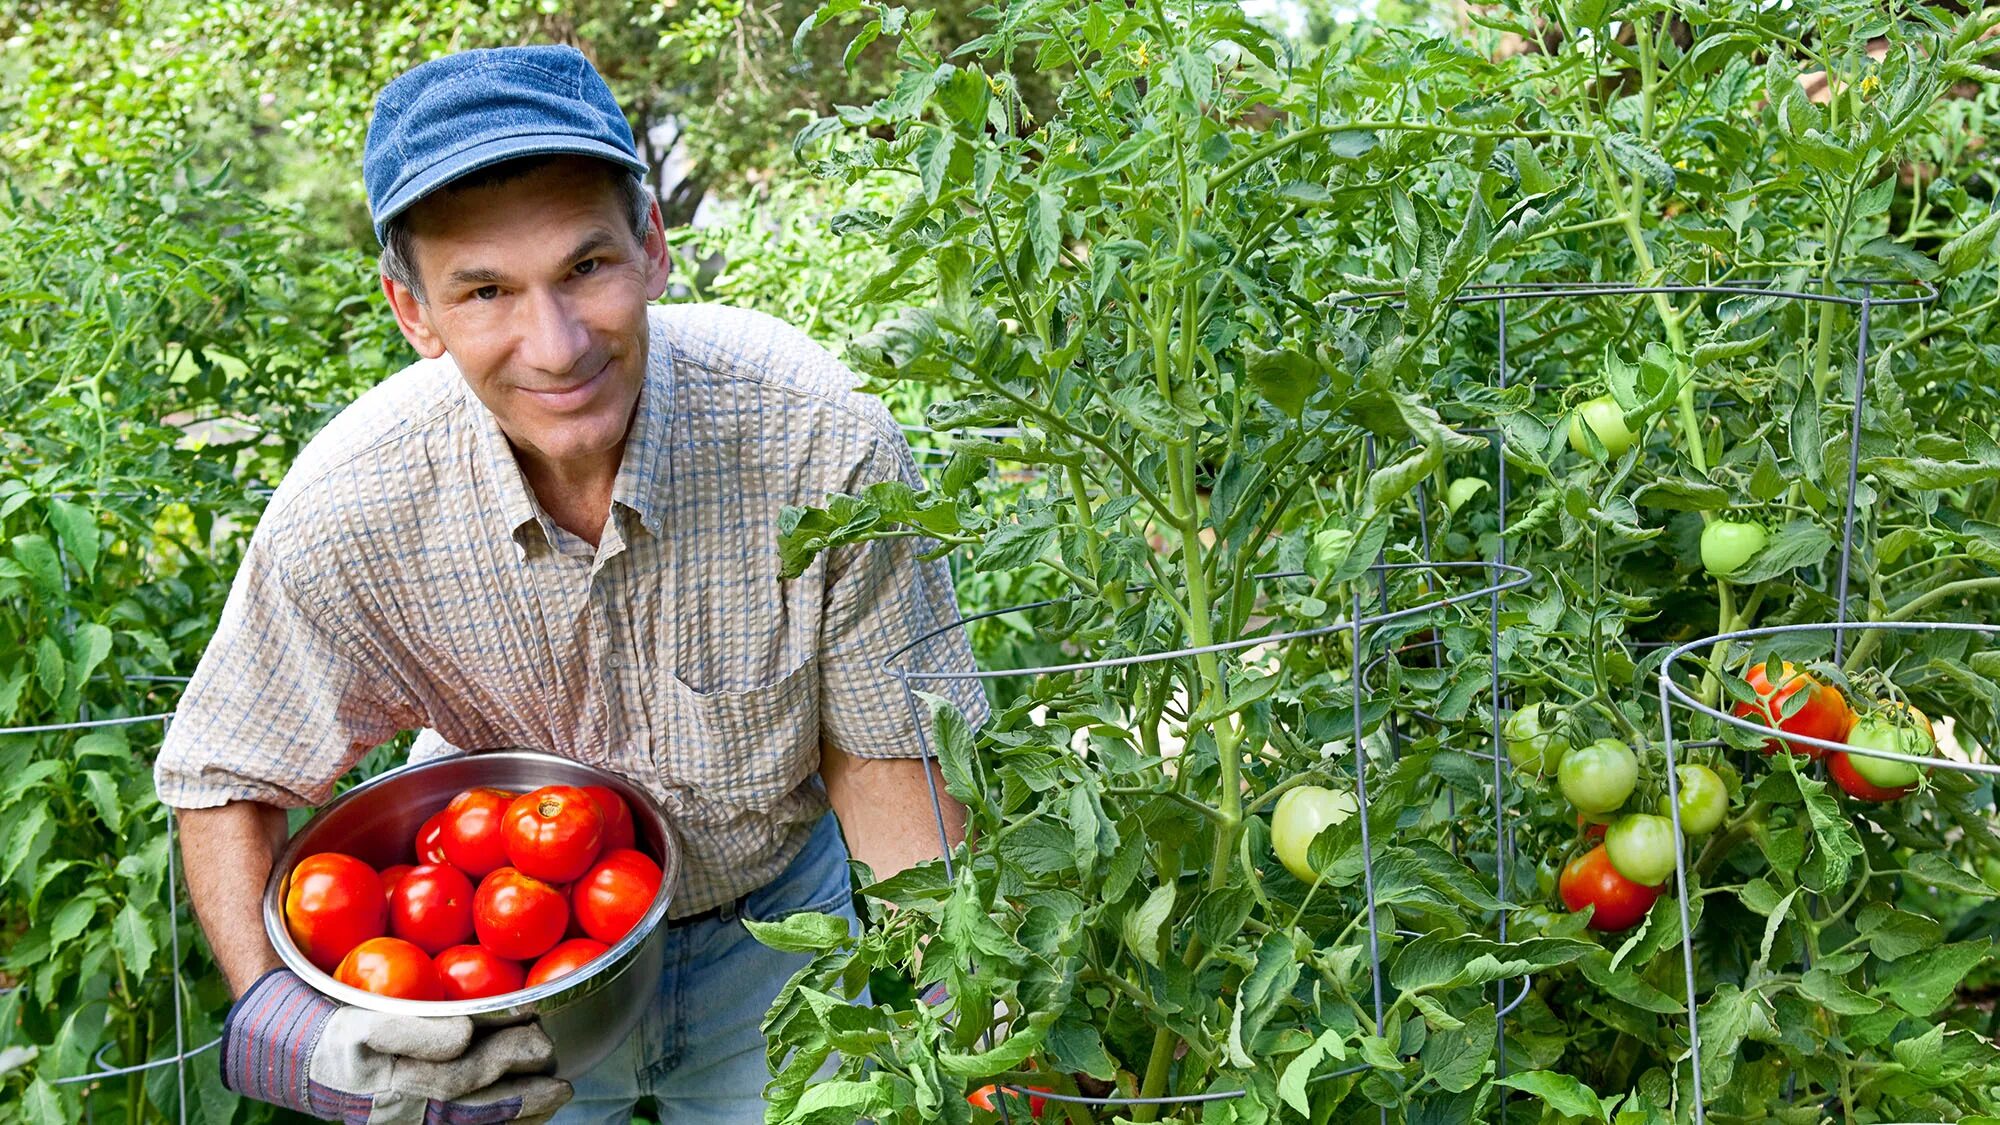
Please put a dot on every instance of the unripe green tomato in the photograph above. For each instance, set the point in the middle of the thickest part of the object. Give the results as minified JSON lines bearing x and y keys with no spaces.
{"x":1534,"y":738}
{"x":1302,"y":812}
{"x":1641,"y":847}
{"x":1459,"y":491}
{"x":1727,"y":544}
{"x":1908,"y":733}
{"x":1704,"y":800}
{"x":1597,"y":778}
{"x":1607,"y":420}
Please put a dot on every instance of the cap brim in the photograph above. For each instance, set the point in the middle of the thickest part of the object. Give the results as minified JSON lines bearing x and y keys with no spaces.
{"x":494,"y":152}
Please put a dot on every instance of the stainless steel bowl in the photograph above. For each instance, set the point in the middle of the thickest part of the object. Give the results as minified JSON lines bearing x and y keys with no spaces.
{"x":587,"y":1013}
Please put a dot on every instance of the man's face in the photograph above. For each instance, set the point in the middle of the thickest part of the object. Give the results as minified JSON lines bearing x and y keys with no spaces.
{"x":539,"y":291}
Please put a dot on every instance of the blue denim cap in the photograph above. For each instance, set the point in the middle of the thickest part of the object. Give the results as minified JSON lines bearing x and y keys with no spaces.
{"x":466,"y":111}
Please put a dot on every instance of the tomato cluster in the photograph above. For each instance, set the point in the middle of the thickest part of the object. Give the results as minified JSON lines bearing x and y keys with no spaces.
{"x":1802,"y":705}
{"x":509,"y":891}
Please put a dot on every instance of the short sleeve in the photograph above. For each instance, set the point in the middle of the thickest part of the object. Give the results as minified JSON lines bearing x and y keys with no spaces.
{"x":278,"y":708}
{"x":881,"y":597}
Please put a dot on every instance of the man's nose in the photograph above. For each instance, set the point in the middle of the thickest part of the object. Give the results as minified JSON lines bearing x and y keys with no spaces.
{"x":553,"y":337}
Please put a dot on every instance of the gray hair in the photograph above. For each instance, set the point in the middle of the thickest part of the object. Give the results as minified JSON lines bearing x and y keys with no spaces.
{"x":398,"y":259}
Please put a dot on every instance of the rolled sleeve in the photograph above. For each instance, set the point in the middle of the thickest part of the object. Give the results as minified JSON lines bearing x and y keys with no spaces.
{"x":882,"y":598}
{"x":278,"y":708}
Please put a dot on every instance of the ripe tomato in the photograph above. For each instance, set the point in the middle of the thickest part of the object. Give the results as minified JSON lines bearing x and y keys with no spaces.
{"x":1704,"y":800}
{"x":1641,"y":847}
{"x":565,"y":959}
{"x":1301,"y":813}
{"x":1606,"y":419}
{"x":518,"y":916}
{"x":1897,"y":729}
{"x":1534,"y":738}
{"x":430,"y":840}
{"x":473,"y":841}
{"x":1823,"y":714}
{"x":613,"y":895}
{"x":432,"y":909}
{"x":618,"y":830}
{"x":335,"y":902}
{"x":392,"y":876}
{"x":553,"y":833}
{"x":989,"y":1096}
{"x":1593,"y":830}
{"x":1727,"y":544}
{"x":473,"y":972}
{"x":1597,"y":778}
{"x":1590,"y":880}
{"x":389,"y":966}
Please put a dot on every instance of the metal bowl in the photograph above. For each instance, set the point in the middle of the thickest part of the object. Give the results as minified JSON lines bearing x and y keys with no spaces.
{"x":587,"y":1013}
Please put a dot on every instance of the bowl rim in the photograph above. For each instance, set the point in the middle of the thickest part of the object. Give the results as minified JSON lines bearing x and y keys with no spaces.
{"x":613,"y":958}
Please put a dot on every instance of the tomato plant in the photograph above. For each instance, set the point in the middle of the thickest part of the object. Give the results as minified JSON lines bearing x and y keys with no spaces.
{"x":518,"y":916}
{"x":473,"y":972}
{"x":388,"y":966}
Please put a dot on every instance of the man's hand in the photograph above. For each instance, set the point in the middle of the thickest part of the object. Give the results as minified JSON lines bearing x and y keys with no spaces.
{"x":286,"y":1044}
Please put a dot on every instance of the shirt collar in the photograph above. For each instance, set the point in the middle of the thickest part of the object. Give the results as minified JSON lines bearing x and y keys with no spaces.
{"x":642,"y":470}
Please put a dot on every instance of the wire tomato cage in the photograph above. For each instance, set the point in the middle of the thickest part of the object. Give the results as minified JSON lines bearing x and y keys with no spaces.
{"x":182,"y":1052}
{"x":1499,"y":578}
{"x":1862,"y":297}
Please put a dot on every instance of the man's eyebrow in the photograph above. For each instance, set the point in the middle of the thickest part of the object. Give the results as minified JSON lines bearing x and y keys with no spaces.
{"x":485,"y":275}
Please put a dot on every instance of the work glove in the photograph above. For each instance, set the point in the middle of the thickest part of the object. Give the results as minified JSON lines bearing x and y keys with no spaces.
{"x":286,"y":1044}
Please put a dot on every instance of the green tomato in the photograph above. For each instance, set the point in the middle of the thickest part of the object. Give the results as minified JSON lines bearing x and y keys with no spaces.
{"x":1726,"y":545}
{"x":1607,"y":420}
{"x":1461,"y":490}
{"x":1641,"y":847}
{"x":1704,"y":800}
{"x":1302,"y":813}
{"x":1908,"y":733}
{"x":1597,"y":778}
{"x":1534,"y":738}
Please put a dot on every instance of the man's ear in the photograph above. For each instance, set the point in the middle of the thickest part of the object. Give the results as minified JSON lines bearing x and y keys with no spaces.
{"x":410,"y":317}
{"x":659,"y":263}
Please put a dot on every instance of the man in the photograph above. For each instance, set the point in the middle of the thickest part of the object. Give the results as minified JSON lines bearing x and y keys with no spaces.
{"x":558,"y":530}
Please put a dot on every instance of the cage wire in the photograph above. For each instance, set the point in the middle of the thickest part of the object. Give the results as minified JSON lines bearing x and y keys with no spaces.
{"x":1512,"y":303}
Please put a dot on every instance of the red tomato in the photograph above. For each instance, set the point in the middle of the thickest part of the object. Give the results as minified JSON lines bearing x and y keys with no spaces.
{"x":389,"y":966}
{"x":473,"y":840}
{"x":1823,"y":715}
{"x":392,"y":876}
{"x":432,"y":909}
{"x":430,"y":840}
{"x":612,"y":896}
{"x":517,"y":916}
{"x":1590,"y":880}
{"x":1592,"y":830}
{"x":335,"y":902}
{"x":565,"y":959}
{"x":618,"y":830}
{"x":1841,"y":767}
{"x":988,"y":1098}
{"x":473,"y":972}
{"x":553,"y":833}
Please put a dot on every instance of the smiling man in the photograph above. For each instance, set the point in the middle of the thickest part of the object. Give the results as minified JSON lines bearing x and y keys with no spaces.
{"x":558,"y":530}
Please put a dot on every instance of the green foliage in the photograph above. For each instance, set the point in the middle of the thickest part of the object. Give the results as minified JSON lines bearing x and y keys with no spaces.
{"x":1148,"y":289}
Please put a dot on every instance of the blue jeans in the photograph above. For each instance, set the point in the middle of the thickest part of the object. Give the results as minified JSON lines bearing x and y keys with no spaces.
{"x":698,"y":1050}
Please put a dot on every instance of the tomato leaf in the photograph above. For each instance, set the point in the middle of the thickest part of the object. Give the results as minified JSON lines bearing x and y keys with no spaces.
{"x":1560,"y":1092}
{"x":1799,"y":543}
{"x":804,"y":932}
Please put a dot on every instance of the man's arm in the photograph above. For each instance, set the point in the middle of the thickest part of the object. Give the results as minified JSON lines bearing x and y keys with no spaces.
{"x":884,"y":807}
{"x":227,"y":853}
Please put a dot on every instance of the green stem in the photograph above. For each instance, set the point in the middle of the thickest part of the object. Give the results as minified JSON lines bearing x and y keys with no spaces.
{"x":1872,"y":639}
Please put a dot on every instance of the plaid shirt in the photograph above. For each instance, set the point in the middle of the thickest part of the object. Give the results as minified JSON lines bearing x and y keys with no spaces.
{"x":404,"y":576}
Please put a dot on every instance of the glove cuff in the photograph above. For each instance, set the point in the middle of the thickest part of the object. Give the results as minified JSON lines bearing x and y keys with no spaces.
{"x":268,"y":1040}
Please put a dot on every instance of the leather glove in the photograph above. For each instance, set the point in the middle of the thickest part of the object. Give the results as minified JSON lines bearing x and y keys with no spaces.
{"x":286,"y":1044}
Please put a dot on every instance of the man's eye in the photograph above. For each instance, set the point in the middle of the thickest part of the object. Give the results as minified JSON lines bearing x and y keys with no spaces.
{"x":591,"y":263}
{"x":486,"y":292}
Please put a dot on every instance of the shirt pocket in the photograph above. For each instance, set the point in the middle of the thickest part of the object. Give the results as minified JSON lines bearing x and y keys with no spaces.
{"x":749,"y":747}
